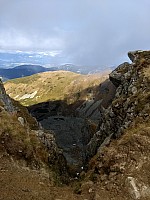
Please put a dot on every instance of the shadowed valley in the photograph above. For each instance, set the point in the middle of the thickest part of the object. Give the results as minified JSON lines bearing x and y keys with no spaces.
{"x":88,"y":132}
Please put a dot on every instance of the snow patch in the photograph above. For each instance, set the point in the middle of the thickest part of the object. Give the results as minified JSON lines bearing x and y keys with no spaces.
{"x":28,"y":96}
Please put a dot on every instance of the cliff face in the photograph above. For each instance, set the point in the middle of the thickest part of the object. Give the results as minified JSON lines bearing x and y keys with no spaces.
{"x":120,"y":163}
{"x":4,"y":99}
{"x":131,"y":103}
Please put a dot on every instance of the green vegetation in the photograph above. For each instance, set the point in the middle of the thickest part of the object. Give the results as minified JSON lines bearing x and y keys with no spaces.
{"x":52,"y":86}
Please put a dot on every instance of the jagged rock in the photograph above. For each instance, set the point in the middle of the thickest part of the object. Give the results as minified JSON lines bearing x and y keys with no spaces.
{"x":48,"y":139}
{"x":117,"y":76}
{"x":131,"y":100}
{"x":133,"y":54}
{"x":5,"y":100}
{"x":56,"y":158}
{"x":90,"y":109}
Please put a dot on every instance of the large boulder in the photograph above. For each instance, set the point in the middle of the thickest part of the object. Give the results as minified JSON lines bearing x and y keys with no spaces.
{"x":117,"y":76}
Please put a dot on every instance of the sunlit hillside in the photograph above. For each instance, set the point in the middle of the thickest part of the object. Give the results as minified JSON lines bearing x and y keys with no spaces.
{"x":58,"y":85}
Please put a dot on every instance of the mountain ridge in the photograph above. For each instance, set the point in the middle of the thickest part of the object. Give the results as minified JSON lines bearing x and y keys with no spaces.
{"x":21,"y":71}
{"x":55,"y":85}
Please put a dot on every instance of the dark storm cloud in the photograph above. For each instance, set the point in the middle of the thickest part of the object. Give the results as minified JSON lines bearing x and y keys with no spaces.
{"x":88,"y":32}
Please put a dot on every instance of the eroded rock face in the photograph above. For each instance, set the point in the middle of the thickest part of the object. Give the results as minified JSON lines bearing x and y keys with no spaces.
{"x":116,"y":76}
{"x":56,"y":158}
{"x":131,"y":101}
{"x":72,"y":135}
{"x":90,"y":109}
{"x":5,"y":100}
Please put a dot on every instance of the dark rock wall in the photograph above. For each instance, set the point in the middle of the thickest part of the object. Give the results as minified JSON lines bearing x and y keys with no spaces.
{"x":131,"y":102}
{"x":72,"y":135}
{"x":75,"y":124}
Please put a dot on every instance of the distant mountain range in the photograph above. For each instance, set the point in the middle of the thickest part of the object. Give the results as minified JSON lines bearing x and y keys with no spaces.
{"x":16,"y":64}
{"x":21,"y":71}
{"x":28,"y":70}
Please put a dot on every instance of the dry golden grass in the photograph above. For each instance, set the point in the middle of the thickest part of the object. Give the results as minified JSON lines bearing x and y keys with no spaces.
{"x":147,"y":72}
{"x":20,"y":141}
{"x":51,"y":86}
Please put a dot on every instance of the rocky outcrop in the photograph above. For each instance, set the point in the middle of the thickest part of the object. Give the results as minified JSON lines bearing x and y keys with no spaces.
{"x":90,"y":109}
{"x":116,"y":76}
{"x":56,"y":158}
{"x":131,"y":102}
{"x":4,"y":99}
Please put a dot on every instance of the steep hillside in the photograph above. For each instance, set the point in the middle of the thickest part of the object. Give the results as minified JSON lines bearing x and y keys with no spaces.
{"x":51,"y":86}
{"x":22,"y":138}
{"x":120,"y":168}
{"x":131,"y":102}
{"x":31,"y":163}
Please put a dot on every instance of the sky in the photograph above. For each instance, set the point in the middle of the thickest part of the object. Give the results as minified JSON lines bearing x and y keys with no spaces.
{"x":82,"y":32}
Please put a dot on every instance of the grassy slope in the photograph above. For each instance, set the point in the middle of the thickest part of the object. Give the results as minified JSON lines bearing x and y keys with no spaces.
{"x":24,"y":171}
{"x":51,"y":86}
{"x":20,"y":141}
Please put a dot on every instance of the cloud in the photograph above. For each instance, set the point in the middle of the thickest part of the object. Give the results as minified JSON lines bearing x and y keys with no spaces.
{"x":96,"y":33}
{"x":16,"y":39}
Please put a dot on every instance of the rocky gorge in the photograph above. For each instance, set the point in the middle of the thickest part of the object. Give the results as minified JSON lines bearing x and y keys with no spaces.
{"x":104,"y":139}
{"x":74,"y":124}
{"x":131,"y":102}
